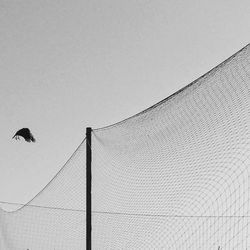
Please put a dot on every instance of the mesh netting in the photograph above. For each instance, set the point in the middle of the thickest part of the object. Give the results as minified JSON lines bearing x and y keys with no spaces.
{"x":175,"y":176}
{"x":55,"y":218}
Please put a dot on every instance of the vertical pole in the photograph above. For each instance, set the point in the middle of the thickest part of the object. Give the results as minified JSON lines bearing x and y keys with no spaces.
{"x":88,"y":188}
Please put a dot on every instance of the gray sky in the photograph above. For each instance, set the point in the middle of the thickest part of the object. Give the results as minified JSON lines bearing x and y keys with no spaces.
{"x":66,"y":65}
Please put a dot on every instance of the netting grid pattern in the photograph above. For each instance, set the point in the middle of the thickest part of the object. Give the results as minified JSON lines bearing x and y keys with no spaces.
{"x":175,"y":176}
{"x":55,"y":218}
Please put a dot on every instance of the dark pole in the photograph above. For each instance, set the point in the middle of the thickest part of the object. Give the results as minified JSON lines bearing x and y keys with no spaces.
{"x":88,"y":188}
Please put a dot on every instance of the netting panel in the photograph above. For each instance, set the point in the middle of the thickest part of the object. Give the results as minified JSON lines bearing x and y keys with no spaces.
{"x":177,"y":175}
{"x":55,"y":218}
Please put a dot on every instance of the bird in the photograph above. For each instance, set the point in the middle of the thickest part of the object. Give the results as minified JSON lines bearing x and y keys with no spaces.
{"x":26,"y":134}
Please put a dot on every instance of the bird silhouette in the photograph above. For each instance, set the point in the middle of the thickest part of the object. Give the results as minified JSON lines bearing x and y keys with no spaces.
{"x":26,"y":134}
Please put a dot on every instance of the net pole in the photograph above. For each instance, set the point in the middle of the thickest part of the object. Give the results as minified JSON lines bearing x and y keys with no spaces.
{"x":88,"y":188}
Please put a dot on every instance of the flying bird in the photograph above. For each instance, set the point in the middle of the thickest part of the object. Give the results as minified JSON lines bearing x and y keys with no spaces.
{"x":26,"y":134}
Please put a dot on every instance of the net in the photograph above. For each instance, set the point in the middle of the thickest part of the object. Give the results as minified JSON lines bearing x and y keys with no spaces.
{"x":175,"y":176}
{"x":55,"y":218}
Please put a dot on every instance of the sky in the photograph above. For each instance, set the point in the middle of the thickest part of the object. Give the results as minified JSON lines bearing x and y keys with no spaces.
{"x":67,"y":65}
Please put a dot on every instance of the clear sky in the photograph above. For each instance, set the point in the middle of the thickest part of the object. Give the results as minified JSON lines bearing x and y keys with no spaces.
{"x":66,"y":65}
